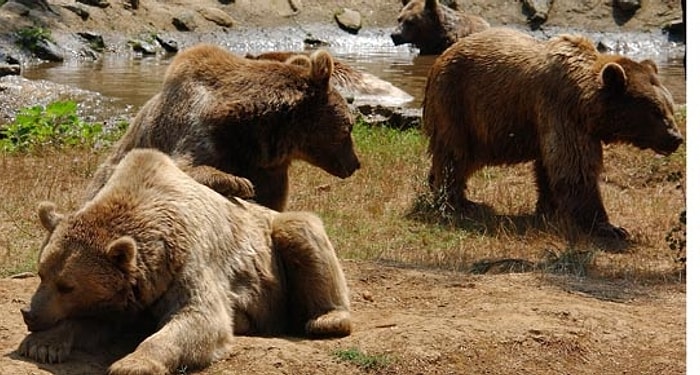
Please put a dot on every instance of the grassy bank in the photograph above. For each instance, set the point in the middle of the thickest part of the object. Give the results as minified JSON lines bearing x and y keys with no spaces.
{"x":378,"y":214}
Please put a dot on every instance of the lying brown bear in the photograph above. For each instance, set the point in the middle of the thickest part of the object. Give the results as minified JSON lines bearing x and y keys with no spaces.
{"x":155,"y":241}
{"x":501,"y":97}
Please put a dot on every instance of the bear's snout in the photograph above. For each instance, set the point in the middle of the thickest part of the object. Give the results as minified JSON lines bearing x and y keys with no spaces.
{"x":29,"y":317}
{"x":32,"y":320}
{"x":397,"y":37}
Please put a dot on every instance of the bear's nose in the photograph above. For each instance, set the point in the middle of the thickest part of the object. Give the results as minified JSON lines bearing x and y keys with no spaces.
{"x":28,"y":316}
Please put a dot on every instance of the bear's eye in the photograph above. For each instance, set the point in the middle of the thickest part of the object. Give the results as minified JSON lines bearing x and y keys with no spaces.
{"x":64,"y":288}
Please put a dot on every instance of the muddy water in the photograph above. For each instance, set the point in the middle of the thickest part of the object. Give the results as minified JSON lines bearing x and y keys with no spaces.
{"x":133,"y":79}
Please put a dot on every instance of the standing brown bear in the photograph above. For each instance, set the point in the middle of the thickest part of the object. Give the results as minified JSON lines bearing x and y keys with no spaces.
{"x":154,"y":242}
{"x":220,"y":114}
{"x":501,"y":97}
{"x":432,"y":27}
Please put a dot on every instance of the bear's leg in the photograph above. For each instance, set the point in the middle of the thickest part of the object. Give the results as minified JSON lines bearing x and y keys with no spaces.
{"x":196,"y":335}
{"x":318,"y":295}
{"x":448,"y":179}
{"x":546,"y":204}
{"x":580,"y":201}
{"x":271,"y":187}
{"x":223,"y":183}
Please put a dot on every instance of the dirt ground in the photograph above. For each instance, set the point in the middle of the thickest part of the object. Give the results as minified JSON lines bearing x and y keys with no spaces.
{"x":412,"y":321}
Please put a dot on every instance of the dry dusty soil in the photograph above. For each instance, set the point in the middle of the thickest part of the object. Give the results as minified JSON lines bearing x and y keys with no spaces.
{"x":413,"y":321}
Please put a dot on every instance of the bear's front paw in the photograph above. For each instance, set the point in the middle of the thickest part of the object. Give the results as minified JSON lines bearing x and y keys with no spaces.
{"x":612,"y":232}
{"x":137,"y":365}
{"x":45,"y":347}
{"x":232,"y":186}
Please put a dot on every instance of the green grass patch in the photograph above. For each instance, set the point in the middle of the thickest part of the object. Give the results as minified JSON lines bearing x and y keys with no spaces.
{"x":362,"y":360}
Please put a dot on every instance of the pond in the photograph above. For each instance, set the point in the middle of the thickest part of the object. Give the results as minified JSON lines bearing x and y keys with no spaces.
{"x":133,"y":79}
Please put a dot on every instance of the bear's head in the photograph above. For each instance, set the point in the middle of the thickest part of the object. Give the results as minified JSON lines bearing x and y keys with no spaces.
{"x":420,"y":24}
{"x":327,"y":142}
{"x":82,"y":272}
{"x":637,"y":108}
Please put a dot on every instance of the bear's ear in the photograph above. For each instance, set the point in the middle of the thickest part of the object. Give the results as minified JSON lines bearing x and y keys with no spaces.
{"x":299,"y":60}
{"x":614,"y":77}
{"x":48,"y":216}
{"x":321,"y":66}
{"x":122,"y":253}
{"x":651,"y":65}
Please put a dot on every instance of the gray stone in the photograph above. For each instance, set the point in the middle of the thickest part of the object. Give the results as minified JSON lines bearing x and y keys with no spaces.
{"x":9,"y":69}
{"x":142,"y":47}
{"x":169,"y":45}
{"x":538,"y":11}
{"x":217,"y":16}
{"x":48,"y":50}
{"x":627,"y":5}
{"x":95,"y":3}
{"x":349,"y":20}
{"x":185,"y":21}
{"x":79,"y":10}
{"x":394,"y":117}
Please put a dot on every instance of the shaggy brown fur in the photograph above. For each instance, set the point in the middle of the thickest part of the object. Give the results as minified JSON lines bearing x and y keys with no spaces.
{"x":502,"y":97}
{"x":432,"y":27}
{"x":247,"y":118}
{"x":155,"y":241}
{"x":350,"y":82}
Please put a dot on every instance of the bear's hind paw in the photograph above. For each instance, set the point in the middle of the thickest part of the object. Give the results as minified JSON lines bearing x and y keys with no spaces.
{"x":335,"y":323}
{"x":137,"y":365}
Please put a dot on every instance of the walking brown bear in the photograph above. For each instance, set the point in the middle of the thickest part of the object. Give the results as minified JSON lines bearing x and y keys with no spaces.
{"x":432,"y":27}
{"x":501,"y":97}
{"x":222,"y":115}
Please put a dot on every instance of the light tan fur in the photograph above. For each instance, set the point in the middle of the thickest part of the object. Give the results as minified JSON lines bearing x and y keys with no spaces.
{"x":155,"y":241}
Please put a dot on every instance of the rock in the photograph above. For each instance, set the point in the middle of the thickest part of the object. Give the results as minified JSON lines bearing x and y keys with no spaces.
{"x":399,"y":118}
{"x":538,"y":11}
{"x":349,"y":20}
{"x":9,"y":69}
{"x":169,"y":45}
{"x":95,"y":3}
{"x":131,"y":4}
{"x":16,"y":8}
{"x":627,"y":5}
{"x":142,"y":47}
{"x":95,"y":40}
{"x":79,"y":10}
{"x":185,"y":21}
{"x":313,"y":42}
{"x":48,"y":50}
{"x":41,"y":5}
{"x":217,"y":16}
{"x":4,"y":57}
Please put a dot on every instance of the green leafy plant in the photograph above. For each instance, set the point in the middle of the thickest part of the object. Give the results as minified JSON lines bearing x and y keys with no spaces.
{"x":56,"y":125}
{"x":362,"y":360}
{"x":30,"y":37}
